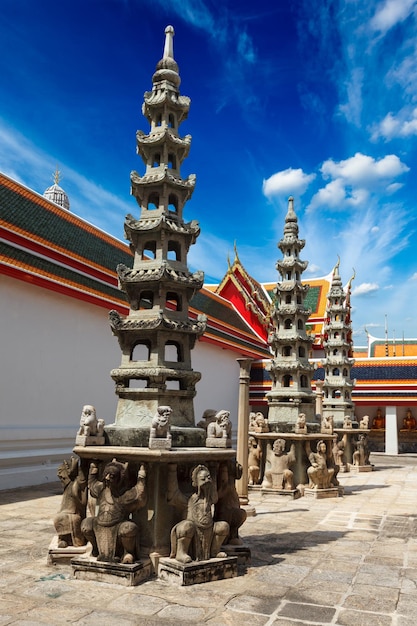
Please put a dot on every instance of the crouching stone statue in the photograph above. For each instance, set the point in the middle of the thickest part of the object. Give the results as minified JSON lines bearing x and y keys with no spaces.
{"x":321,"y":474}
{"x":73,"y":505}
{"x":197,"y":537}
{"x":111,"y":533}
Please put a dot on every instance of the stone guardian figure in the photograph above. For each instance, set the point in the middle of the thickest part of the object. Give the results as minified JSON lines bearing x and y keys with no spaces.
{"x":112,"y":534}
{"x":68,"y":520}
{"x":197,"y":537}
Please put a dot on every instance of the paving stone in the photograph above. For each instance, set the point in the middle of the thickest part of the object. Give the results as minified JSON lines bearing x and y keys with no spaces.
{"x":312,"y":613}
{"x":252,"y":604}
{"x":357,"y":618}
{"x":376,"y":603}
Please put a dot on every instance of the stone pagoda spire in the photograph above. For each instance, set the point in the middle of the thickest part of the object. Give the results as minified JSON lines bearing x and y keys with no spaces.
{"x":157,"y":336}
{"x":290,"y":369}
{"x":337,"y":344}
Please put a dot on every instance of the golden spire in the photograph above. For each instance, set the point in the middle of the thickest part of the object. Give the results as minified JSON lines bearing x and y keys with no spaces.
{"x":57,"y":175}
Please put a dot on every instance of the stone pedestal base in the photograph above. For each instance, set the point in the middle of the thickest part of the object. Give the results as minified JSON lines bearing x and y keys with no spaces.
{"x":160,"y":444}
{"x":361,"y":468}
{"x":218,"y":442}
{"x":292,"y":493}
{"x":64,"y":555}
{"x":182,"y":574}
{"x":242,"y":553}
{"x":90,"y":440}
{"x":318,"y":494}
{"x":118,"y":573}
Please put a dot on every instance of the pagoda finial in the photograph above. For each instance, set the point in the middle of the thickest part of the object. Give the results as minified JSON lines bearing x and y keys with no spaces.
{"x":336,"y":267}
{"x":169,"y":43}
{"x":57,"y":175}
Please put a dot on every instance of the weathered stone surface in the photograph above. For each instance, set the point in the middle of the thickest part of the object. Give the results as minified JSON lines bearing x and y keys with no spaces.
{"x":118,"y":573}
{"x":197,"y":572}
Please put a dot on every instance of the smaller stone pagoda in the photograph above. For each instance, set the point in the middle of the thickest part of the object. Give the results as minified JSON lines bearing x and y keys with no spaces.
{"x":290,"y":369}
{"x":338,"y":361}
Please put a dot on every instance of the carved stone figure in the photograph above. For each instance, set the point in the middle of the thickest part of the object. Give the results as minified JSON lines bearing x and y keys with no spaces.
{"x":279,"y":475}
{"x":252,"y":424}
{"x":379,"y":420}
{"x":319,"y":474}
{"x":261,"y":424}
{"x":409,"y":422}
{"x":364,"y":423}
{"x":327,"y":424}
{"x":160,"y":435}
{"x":301,"y":425}
{"x":347,"y":422}
{"x":219,"y":433}
{"x":68,"y":520}
{"x":361,"y":454}
{"x":112,"y":534}
{"x":228,"y":507}
{"x":91,"y":429}
{"x":254,"y":461}
{"x":207,"y":418}
{"x":338,"y":451}
{"x":197,"y":537}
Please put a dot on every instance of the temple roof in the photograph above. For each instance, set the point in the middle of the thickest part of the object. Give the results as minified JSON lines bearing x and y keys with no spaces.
{"x":45,"y":245}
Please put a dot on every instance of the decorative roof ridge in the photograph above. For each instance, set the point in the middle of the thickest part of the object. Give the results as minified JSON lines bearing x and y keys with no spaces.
{"x":48,"y":245}
{"x":69,"y":216}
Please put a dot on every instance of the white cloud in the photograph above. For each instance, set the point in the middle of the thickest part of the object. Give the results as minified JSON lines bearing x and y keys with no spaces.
{"x":414,"y":276}
{"x":390,"y":13}
{"x":364,"y":289}
{"x":404,"y":124}
{"x":364,"y":170}
{"x":287,"y":182}
{"x":354,"y":179}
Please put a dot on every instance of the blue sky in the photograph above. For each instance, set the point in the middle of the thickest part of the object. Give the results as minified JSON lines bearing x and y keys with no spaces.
{"x":311,"y":98}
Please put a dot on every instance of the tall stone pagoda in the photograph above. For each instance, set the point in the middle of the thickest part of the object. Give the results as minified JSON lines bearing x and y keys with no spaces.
{"x":157,"y":336}
{"x":338,"y":346}
{"x":290,"y":369}
{"x":166,"y":502}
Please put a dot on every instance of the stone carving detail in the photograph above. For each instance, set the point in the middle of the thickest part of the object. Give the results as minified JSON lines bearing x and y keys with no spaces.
{"x":197,"y":537}
{"x":68,"y":520}
{"x":301,"y":425}
{"x":260,"y":423}
{"x":254,"y":460}
{"x":160,"y":434}
{"x":91,"y":431}
{"x":228,"y":507}
{"x":347,"y":422}
{"x":219,"y":432}
{"x":112,"y":534}
{"x":327,"y":424}
{"x":278,"y":474}
{"x":364,"y":423}
{"x":320,"y":474}
{"x":361,"y":454}
{"x":338,"y":451}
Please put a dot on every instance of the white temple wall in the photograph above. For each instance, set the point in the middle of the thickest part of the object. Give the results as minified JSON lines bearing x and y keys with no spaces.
{"x":219,"y":384}
{"x":56,"y":355}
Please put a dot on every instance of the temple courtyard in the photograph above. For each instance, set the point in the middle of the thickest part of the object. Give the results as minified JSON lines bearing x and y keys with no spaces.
{"x":350,"y":560}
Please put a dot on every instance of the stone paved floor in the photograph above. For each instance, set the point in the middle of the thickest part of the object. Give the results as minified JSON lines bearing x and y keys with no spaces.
{"x":348,"y":561}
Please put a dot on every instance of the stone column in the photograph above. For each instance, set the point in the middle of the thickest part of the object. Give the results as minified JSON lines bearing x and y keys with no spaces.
{"x":391,"y":430}
{"x":243,"y":428}
{"x":319,"y":397}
